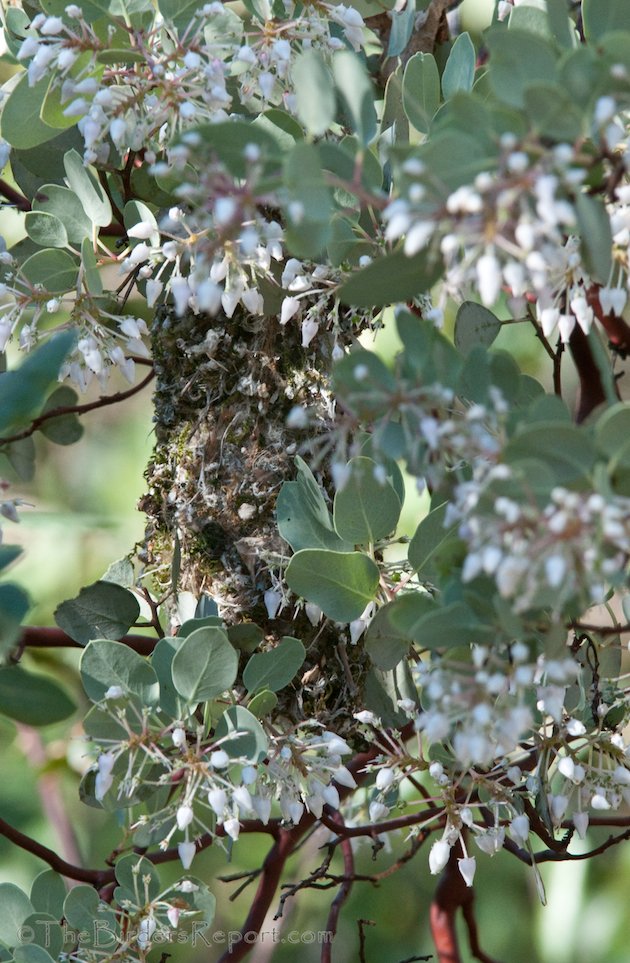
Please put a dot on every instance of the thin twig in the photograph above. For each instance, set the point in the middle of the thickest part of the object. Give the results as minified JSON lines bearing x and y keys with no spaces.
{"x":101,"y":402}
{"x":340,"y":898}
{"x":46,"y":637}
{"x":362,"y":924}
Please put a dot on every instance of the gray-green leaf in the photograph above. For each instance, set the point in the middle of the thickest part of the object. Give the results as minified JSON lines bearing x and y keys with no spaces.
{"x":341,"y":583}
{"x":102,"y":610}
{"x":205,"y":665}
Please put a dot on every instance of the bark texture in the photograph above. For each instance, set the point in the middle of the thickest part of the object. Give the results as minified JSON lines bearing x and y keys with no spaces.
{"x":224,"y":388}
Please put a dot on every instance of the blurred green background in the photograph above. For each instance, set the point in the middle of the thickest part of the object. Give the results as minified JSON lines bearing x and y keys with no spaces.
{"x":84,"y":517}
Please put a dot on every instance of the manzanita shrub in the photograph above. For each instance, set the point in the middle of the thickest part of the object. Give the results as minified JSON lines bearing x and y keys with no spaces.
{"x":223,"y":198}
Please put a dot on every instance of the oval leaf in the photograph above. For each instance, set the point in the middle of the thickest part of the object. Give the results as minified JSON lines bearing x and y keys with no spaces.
{"x":241,"y":735}
{"x":474,"y":324}
{"x":366,"y":509}
{"x":92,"y":196}
{"x":205,"y":665}
{"x":16,"y":907}
{"x":56,"y":271}
{"x":45,"y":229}
{"x":276,"y":668}
{"x":100,"y":611}
{"x":105,"y":663}
{"x":421,"y":90}
{"x":310,"y":74}
{"x":33,"y":699}
{"x":341,"y":583}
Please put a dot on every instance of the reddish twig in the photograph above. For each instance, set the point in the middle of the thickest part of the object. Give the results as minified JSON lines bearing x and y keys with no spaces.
{"x":592,"y":390}
{"x":44,"y":637}
{"x":16,"y":199}
{"x":101,"y":402}
{"x":386,"y":826}
{"x":96,"y":877}
{"x":362,"y":924}
{"x":341,"y":897}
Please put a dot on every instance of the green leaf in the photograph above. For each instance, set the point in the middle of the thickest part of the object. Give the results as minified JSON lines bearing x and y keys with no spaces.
{"x":228,"y":141}
{"x":45,"y":229}
{"x":403,"y":22}
{"x":179,"y":12}
{"x":241,"y":735}
{"x":311,"y":74}
{"x":85,"y":913}
{"x":275,"y":668}
{"x":190,"y":625}
{"x":384,"y":690}
{"x":365,"y":383}
{"x":14,"y":604}
{"x":263,"y":703}
{"x":552,"y":113}
{"x":66,"y":207}
{"x":246,"y":636}
{"x":474,"y":324}
{"x":65,"y":429}
{"x":105,"y":663}
{"x":459,"y":72}
{"x":612,"y":433}
{"x":393,"y":111}
{"x":561,"y":27}
{"x":205,"y":665}
{"x":120,"y":572}
{"x":341,"y":583}
{"x":518,"y":60}
{"x":386,"y":644}
{"x":91,"y":274}
{"x":48,"y":893}
{"x":602,"y":16}
{"x":366,"y":509}
{"x":421,"y":90}
{"x":52,"y":109}
{"x":92,"y":196}
{"x":134,"y":213}
{"x":16,"y":907}
{"x":137,"y":876}
{"x":20,"y":121}
{"x":23,"y":391}
{"x":567,"y":450}
{"x":8,"y":554}
{"x":390,"y":280}
{"x":102,"y":610}
{"x":21,"y":456}
{"x":54,"y":270}
{"x":436,"y":628}
{"x":303,"y":517}
{"x":429,"y":539}
{"x":47,"y":936}
{"x":16,"y":24}
{"x":596,"y":236}
{"x":32,"y":953}
{"x":427,"y":354}
{"x":355,"y":89}
{"x":309,"y":230}
{"x":35,"y":700}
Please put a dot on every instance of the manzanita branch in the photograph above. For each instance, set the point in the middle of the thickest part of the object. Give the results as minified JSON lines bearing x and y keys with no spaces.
{"x":96,"y":877}
{"x":15,"y":198}
{"x":58,"y":412}
{"x":44,"y":637}
{"x":340,"y":898}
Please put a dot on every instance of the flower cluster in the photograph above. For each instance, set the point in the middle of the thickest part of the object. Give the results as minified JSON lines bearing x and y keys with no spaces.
{"x":577,"y":545}
{"x":217,"y":785}
{"x":221,"y":65}
{"x":514,"y":229}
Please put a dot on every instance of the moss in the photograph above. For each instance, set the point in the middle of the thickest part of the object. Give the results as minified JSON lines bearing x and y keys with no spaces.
{"x":223,"y":390}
